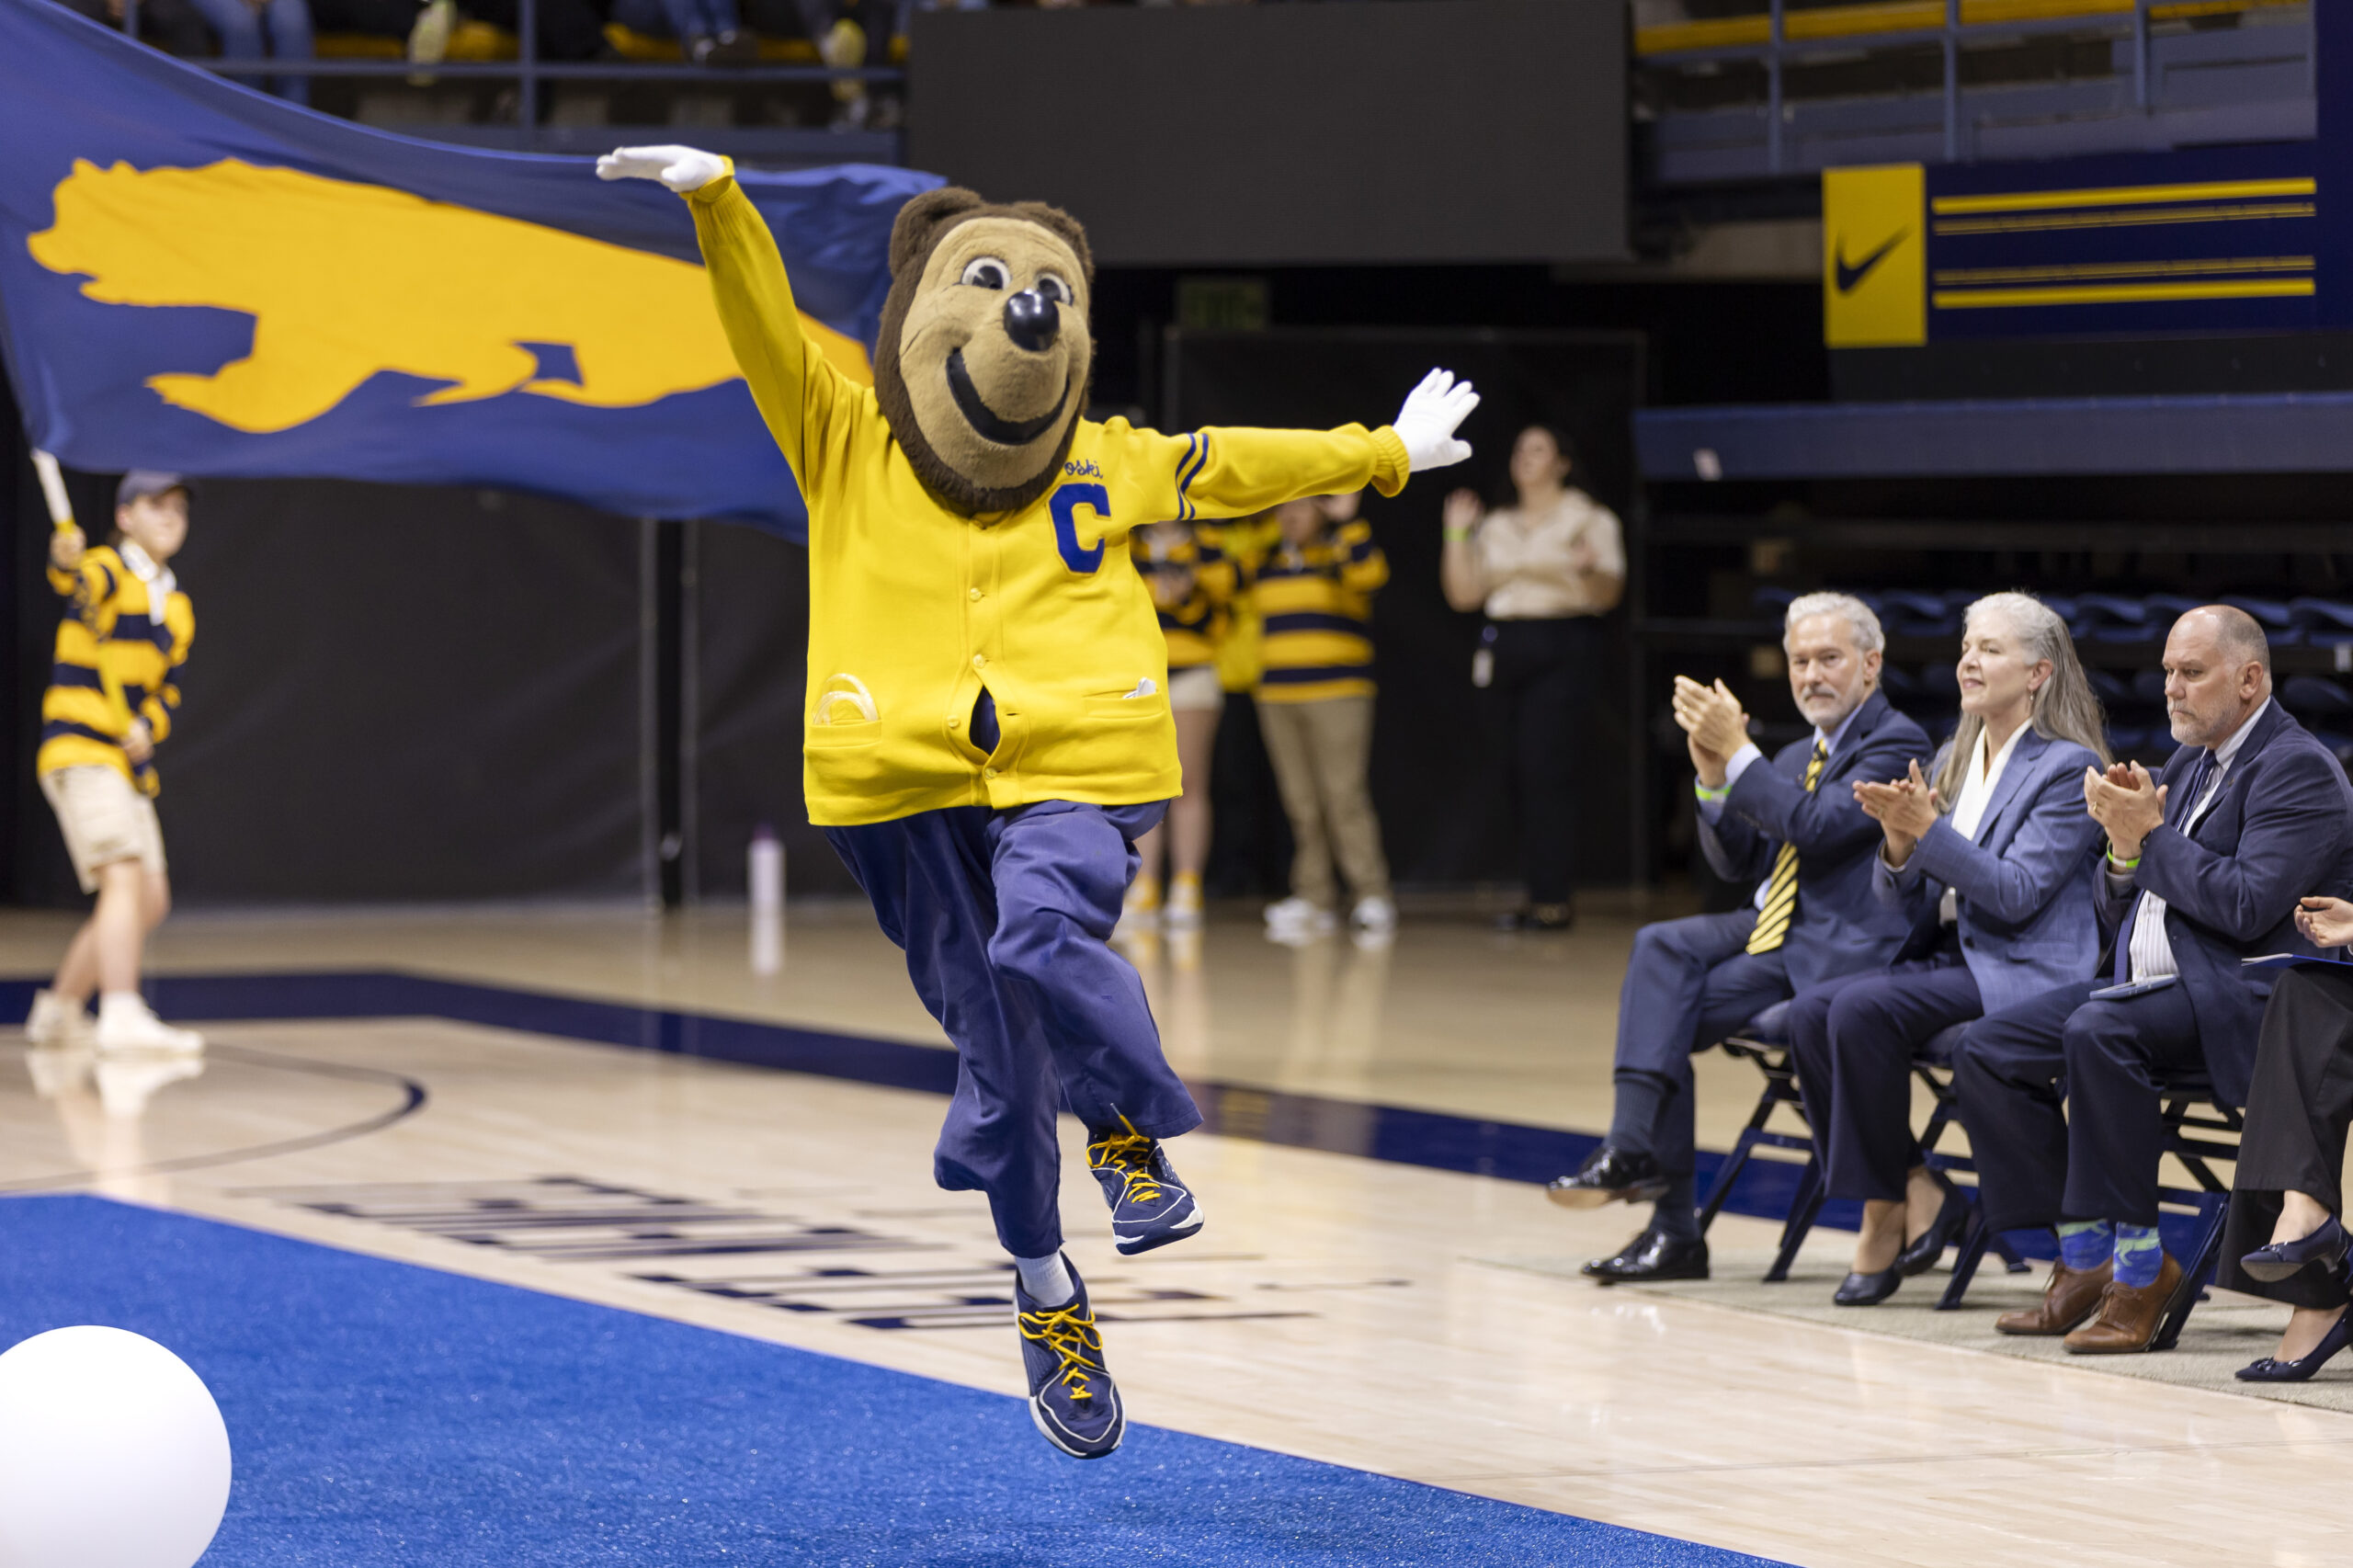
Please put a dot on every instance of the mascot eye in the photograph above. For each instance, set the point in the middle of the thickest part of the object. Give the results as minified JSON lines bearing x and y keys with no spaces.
{"x":1054,"y":288}
{"x":984,"y":272}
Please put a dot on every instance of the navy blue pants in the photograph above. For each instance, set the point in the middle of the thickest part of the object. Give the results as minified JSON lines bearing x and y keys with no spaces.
{"x":1689,"y":982}
{"x":1853,"y":1037}
{"x":2060,"y":1096}
{"x":1003,"y":917}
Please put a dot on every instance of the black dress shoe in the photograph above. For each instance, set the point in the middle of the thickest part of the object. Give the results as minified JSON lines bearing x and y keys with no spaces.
{"x":1610,"y":1175}
{"x":1539,"y":917}
{"x":1653,"y":1256}
{"x":2269,"y":1370}
{"x":1868,"y":1290}
{"x":1943,"y":1230}
{"x":2326,"y":1247}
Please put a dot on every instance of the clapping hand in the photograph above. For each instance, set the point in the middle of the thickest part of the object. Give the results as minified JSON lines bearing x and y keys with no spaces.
{"x":1713,"y":720}
{"x":1461,"y":514}
{"x":2325,"y":922}
{"x":2127,"y":802}
{"x":1905,"y":809}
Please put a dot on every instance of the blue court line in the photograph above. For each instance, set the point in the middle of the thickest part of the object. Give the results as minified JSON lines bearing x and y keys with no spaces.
{"x":1435,"y":1140}
{"x":385,"y":1415}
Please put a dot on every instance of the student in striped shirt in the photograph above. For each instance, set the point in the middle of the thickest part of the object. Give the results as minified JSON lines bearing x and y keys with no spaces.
{"x":1192,"y":586}
{"x":1314,"y":593}
{"x":111,"y":702}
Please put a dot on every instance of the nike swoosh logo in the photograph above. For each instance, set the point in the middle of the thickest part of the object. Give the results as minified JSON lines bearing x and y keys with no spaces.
{"x":1852,"y":273}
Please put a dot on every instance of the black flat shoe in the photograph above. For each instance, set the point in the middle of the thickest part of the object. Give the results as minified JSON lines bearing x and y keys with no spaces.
{"x":1652,"y":1255}
{"x":1539,"y":917}
{"x":1943,"y":1230}
{"x":1868,"y":1290}
{"x":2270,"y":1370}
{"x":1610,"y":1175}
{"x":2326,"y":1247}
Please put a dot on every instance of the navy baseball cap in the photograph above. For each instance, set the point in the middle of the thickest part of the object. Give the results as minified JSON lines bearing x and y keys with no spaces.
{"x":140,"y":482}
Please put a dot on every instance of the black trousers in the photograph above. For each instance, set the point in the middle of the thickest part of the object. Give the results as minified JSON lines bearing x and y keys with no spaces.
{"x":1853,"y":1037}
{"x":1535,"y":707}
{"x":2096,"y":1159}
{"x":2297,"y":1110}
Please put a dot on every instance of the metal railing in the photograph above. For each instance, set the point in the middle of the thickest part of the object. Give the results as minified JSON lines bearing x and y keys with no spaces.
{"x":1962,"y":21}
{"x":528,"y":70}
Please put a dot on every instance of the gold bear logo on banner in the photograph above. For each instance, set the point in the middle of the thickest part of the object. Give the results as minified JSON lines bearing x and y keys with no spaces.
{"x":346,"y":281}
{"x":1874,"y":256}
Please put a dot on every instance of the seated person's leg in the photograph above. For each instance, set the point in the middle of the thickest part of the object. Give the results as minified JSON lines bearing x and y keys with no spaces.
{"x":2283,"y":1238}
{"x":288,"y":23}
{"x":1869,"y":1151}
{"x":237,"y":25}
{"x":2008,"y":1074}
{"x":2117,"y":1052}
{"x":654,"y":18}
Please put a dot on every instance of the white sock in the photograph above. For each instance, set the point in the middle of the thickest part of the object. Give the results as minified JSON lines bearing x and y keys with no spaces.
{"x":119,"y":1001}
{"x":1047,"y":1280}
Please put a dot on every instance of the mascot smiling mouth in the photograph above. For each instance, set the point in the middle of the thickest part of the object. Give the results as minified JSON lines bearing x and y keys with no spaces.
{"x":1002,"y":432}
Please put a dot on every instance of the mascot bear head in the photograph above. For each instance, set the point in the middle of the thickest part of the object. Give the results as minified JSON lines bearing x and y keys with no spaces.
{"x":981,"y":363}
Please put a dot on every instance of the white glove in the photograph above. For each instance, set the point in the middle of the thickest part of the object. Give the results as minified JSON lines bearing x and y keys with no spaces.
{"x":1426,"y":422}
{"x":681,"y":168}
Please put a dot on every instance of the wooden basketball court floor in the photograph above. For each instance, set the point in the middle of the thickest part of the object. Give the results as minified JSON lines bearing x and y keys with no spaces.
{"x":1338,"y":1306}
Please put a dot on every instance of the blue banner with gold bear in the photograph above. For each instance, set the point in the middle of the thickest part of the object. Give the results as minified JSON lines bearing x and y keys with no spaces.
{"x":198,"y":277}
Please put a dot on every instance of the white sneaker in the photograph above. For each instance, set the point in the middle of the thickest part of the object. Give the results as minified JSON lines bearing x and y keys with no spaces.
{"x":56,"y":1022}
{"x":1296,"y":919}
{"x":127,"y":1024}
{"x":1183,"y":909}
{"x":1378,"y":916}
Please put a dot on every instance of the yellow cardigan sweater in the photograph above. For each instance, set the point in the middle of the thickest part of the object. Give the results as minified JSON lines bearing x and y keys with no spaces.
{"x":913,"y":608}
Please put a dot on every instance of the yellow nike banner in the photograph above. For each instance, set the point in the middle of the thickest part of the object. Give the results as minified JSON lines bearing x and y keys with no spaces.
{"x":1875,"y":256}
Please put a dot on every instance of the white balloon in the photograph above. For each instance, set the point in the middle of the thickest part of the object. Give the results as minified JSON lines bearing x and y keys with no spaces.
{"x":112,"y":1454}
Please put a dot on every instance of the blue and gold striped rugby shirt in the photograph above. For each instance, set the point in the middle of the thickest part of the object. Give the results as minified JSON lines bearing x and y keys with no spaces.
{"x":1316,"y":601}
{"x":116,"y":653}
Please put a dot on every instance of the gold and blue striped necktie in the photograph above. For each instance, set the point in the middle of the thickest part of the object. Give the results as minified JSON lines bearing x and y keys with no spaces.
{"x":1781,"y":904}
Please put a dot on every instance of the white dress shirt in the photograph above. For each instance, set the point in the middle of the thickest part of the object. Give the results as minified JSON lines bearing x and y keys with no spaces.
{"x":1969,"y":812}
{"x":2152,"y":949}
{"x":1713,"y":809}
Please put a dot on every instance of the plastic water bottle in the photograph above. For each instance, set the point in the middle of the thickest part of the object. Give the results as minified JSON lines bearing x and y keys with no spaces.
{"x":764,"y":876}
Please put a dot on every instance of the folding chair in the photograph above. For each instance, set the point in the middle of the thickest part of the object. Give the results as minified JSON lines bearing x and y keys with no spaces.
{"x":1765,"y":1041}
{"x":2191,"y":1110}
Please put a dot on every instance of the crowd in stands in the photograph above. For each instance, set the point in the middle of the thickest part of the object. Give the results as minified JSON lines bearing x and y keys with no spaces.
{"x":2079,"y":939}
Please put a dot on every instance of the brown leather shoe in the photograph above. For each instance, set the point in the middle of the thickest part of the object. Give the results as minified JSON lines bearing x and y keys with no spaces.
{"x":2072,"y":1296}
{"x":2127,"y":1318}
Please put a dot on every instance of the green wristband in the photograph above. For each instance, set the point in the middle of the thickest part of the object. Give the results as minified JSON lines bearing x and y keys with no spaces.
{"x":2123,"y":864}
{"x":1456,"y":536}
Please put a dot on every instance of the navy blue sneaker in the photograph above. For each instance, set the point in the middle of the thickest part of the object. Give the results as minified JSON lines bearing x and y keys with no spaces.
{"x":1071,"y":1396}
{"x":1150,"y":1208}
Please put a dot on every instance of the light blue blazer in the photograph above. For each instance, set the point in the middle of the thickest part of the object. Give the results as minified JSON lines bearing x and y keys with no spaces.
{"x":2028,"y":922}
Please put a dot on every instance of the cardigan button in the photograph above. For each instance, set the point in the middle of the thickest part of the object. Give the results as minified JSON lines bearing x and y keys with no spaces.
{"x":980,"y":661}
{"x":988,"y":772}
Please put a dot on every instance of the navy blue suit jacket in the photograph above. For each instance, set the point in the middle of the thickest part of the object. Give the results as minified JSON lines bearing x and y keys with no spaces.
{"x":1841,"y":925}
{"x":2025,"y":917}
{"x":2281,"y":828}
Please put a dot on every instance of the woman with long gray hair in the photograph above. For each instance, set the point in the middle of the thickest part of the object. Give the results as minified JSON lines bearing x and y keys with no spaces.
{"x":1992,"y":859}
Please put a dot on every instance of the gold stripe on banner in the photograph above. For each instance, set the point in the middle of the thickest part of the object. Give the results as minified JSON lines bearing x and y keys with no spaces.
{"x":1962,"y":277}
{"x":2121,"y":293}
{"x":2122,"y":195}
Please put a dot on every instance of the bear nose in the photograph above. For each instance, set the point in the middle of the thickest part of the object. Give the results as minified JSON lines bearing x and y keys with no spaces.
{"x":1031,"y":320}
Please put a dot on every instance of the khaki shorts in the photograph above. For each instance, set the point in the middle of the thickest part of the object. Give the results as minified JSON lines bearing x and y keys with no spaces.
{"x":1196,"y":690}
{"x":104,"y":820}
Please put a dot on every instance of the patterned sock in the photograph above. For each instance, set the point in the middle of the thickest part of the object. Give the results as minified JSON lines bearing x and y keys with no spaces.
{"x":2084,"y":1244}
{"x":1678,"y":1213}
{"x":2138,"y":1255}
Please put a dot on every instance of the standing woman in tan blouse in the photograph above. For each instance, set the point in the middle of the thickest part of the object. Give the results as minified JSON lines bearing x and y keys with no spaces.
{"x":1544,"y":570}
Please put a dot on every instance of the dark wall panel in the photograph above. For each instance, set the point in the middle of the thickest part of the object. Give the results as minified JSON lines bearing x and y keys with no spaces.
{"x":1463,"y":131}
{"x":750,"y":610}
{"x":396,"y":694}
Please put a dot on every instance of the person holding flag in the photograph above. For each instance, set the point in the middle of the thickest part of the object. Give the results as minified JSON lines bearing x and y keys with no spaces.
{"x":111,"y":702}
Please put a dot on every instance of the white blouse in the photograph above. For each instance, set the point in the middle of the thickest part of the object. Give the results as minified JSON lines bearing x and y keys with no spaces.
{"x":1528,"y":561}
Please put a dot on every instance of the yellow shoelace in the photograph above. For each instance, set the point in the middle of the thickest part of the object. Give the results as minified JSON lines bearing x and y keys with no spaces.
{"x":1130,"y":1153}
{"x":1069,"y":1334}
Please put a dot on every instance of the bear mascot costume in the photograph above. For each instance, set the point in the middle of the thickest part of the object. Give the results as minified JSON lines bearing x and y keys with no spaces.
{"x":987,"y":726}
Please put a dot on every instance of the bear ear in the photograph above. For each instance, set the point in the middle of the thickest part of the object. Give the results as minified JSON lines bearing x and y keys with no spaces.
{"x":920,"y":221}
{"x":1064,"y":224}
